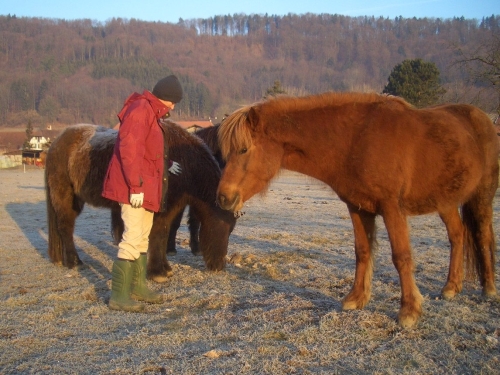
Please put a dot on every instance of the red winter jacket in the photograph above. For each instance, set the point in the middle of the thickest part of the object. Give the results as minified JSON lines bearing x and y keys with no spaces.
{"x":137,"y":164}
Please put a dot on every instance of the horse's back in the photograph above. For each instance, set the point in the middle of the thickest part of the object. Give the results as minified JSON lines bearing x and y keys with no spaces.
{"x":78,"y":159}
{"x":480,"y":126}
{"x":456,"y":155}
{"x":476,"y":138}
{"x":425,"y":158}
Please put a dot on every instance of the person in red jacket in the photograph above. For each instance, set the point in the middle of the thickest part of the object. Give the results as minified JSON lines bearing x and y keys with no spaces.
{"x":137,"y":178}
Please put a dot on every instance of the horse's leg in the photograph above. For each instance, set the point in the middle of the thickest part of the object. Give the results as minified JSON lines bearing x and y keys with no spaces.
{"x":364,"y":234}
{"x":214,"y":238}
{"x":67,"y":207}
{"x":117,"y":226}
{"x":215,"y":228}
{"x":159,"y":269}
{"x":397,"y":229}
{"x":455,"y":229}
{"x":486,"y":244}
{"x":55,"y":245}
{"x":174,"y":227}
{"x":194,"y":231}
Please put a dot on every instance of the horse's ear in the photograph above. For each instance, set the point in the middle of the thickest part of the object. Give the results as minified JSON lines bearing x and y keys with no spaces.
{"x":253,"y":118}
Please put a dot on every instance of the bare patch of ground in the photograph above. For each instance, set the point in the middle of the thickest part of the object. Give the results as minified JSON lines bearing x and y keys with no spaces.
{"x":275,"y":310}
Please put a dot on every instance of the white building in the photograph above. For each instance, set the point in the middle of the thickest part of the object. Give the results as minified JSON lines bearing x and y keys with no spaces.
{"x":37,"y":141}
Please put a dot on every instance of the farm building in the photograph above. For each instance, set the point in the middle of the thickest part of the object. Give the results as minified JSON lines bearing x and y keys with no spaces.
{"x":38,"y":141}
{"x":34,"y":157}
{"x":11,"y":147}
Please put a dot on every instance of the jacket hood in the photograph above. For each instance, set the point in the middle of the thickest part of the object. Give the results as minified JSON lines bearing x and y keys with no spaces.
{"x":158,"y":107}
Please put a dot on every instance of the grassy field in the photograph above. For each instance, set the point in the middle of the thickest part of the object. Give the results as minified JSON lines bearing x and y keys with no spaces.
{"x":276,"y":309}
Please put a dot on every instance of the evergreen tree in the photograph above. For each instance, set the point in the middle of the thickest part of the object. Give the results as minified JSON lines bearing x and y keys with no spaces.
{"x":204,"y":100}
{"x":20,"y":93}
{"x":29,"y":135}
{"x":275,"y":90}
{"x":416,"y":81}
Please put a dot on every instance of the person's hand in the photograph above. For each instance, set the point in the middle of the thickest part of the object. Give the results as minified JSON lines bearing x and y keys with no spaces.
{"x":175,"y":168}
{"x":136,"y":200}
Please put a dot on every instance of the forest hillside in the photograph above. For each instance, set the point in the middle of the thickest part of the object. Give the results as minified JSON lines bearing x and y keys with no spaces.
{"x":55,"y":71}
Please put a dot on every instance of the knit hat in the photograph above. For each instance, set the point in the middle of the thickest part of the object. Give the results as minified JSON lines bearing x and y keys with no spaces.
{"x":169,"y":89}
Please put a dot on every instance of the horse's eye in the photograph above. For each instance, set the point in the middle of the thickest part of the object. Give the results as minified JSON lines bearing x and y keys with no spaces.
{"x":242,"y":151}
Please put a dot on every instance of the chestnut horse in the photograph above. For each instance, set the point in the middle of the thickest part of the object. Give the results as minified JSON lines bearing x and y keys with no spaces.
{"x":76,"y":165}
{"x":382,"y":157}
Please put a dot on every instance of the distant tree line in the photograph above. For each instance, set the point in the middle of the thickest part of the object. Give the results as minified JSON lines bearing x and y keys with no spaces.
{"x":59,"y":71}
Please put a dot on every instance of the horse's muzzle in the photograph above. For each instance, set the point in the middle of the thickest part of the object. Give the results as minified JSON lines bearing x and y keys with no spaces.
{"x":229,"y":204}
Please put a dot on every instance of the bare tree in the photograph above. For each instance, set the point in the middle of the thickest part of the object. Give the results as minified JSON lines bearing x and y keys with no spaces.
{"x":483,"y":64}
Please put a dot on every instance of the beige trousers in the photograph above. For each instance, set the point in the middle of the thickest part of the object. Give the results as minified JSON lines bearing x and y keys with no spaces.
{"x":135,"y":240}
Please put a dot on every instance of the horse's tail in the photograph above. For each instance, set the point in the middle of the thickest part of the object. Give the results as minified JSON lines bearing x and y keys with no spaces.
{"x":479,"y":242}
{"x":55,"y":242}
{"x":477,"y":211}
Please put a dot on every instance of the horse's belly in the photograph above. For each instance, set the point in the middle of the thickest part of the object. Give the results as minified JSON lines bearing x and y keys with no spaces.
{"x":420,"y":207}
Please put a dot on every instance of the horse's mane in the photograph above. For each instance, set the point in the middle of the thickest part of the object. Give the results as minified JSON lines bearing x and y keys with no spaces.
{"x":235,"y":135}
{"x":181,"y":138}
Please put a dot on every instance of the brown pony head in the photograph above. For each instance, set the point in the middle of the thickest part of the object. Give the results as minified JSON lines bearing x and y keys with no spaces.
{"x":253,"y":157}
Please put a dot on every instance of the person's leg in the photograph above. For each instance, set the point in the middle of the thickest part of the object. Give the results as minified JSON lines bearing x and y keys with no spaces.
{"x":140,"y":290}
{"x":124,"y":267}
{"x":136,"y":223}
{"x":121,"y":284}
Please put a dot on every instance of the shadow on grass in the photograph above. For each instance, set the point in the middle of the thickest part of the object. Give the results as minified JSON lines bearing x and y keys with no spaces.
{"x":94,"y":245}
{"x":91,"y":233}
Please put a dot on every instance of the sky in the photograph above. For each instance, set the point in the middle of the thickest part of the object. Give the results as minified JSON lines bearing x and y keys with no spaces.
{"x":172,"y":11}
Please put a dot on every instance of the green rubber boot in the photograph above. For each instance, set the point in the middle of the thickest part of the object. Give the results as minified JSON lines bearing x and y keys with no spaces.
{"x":121,"y":284}
{"x":140,"y":290}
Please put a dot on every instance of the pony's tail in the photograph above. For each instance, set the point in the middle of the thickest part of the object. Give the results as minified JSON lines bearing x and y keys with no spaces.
{"x":55,"y":249}
{"x":479,"y":244}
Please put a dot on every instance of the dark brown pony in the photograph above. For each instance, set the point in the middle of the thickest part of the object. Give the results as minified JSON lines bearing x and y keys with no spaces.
{"x":382,"y":157}
{"x":76,"y":165}
{"x":209,"y":137}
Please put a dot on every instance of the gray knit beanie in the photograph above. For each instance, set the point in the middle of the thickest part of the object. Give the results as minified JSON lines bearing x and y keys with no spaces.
{"x":169,"y":89}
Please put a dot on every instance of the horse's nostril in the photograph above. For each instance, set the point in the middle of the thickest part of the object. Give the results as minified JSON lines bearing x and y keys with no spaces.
{"x":222,"y":199}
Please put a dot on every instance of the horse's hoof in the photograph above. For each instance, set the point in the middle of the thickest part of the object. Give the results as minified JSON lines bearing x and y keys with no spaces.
{"x":349,"y":305}
{"x":163,"y":278}
{"x":352,"y":302}
{"x":448,"y":294}
{"x":160,"y":279}
{"x":490,"y":291}
{"x":408,"y":321}
{"x":73,"y":264}
{"x":214,"y":267}
{"x":172,"y":252}
{"x":409,"y":315}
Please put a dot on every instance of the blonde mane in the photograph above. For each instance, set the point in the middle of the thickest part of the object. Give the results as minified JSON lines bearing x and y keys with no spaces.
{"x":233,"y":134}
